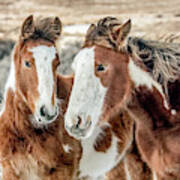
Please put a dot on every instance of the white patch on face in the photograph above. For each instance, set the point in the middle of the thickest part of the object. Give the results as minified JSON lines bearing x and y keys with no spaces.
{"x":44,"y":56}
{"x":67,"y":148}
{"x":26,"y":169}
{"x":141,"y":78}
{"x":87,"y":94}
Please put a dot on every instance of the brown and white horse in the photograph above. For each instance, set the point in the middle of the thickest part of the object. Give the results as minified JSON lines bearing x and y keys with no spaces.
{"x":108,"y":79}
{"x":104,"y":145}
{"x":33,"y":142}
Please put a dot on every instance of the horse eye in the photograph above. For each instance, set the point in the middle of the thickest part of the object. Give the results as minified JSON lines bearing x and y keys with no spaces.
{"x":100,"y":67}
{"x":27,"y":64}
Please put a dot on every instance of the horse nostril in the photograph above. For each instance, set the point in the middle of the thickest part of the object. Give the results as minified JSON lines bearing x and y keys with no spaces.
{"x":50,"y":117}
{"x":43,"y":111}
{"x":79,"y":121}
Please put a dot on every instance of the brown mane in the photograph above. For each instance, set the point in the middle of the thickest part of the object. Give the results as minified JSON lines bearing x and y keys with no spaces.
{"x":100,"y":34}
{"x":43,"y":28}
{"x":161,"y":59}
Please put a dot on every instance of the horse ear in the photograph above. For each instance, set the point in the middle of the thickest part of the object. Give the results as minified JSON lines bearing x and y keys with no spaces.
{"x":27,"y":27}
{"x":90,"y":29}
{"x":121,"y":32}
{"x":57,"y":26}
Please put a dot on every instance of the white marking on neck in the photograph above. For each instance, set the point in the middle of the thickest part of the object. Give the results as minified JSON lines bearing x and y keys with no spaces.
{"x":10,"y":83}
{"x":44,"y":56}
{"x":141,"y":78}
{"x":93,"y":163}
{"x":128,"y":175}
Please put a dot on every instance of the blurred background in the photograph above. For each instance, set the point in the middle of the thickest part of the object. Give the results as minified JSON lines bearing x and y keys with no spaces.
{"x":151,"y":18}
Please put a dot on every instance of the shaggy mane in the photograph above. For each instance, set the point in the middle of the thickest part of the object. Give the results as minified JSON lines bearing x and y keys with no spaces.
{"x":161,"y":59}
{"x":100,"y":34}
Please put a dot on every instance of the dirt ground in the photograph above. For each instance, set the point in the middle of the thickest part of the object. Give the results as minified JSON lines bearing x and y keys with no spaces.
{"x":152,"y":17}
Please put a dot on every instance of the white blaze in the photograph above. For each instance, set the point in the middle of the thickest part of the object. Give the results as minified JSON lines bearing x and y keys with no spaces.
{"x":44,"y":56}
{"x":87,"y":94}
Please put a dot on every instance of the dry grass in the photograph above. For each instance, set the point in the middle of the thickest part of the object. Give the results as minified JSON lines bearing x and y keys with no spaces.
{"x":148,"y":16}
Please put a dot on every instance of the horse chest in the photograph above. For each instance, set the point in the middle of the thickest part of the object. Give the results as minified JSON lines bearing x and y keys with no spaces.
{"x":26,"y":168}
{"x":95,"y":163}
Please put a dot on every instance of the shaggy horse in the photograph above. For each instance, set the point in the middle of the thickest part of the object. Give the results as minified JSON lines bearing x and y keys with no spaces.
{"x":33,"y":142}
{"x":110,"y":76}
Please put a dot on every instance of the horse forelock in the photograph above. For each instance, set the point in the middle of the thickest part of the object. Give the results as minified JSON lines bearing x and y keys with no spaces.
{"x":101,"y":33}
{"x":44,"y":28}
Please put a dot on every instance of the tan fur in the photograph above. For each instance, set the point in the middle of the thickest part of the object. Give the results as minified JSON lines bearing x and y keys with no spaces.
{"x":27,"y":151}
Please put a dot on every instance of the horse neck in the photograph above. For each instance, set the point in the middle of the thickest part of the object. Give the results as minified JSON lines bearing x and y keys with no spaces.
{"x":148,"y":100}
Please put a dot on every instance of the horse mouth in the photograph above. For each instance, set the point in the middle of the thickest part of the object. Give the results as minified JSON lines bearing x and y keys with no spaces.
{"x":78,"y":132}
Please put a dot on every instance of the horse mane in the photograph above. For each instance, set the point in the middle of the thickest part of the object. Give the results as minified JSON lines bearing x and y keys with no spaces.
{"x":100,"y":34}
{"x":160,"y":58}
{"x":44,"y":28}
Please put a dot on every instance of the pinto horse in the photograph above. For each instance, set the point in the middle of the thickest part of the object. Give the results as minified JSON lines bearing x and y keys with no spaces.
{"x":109,"y":77}
{"x":33,"y":142}
{"x":109,"y":149}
